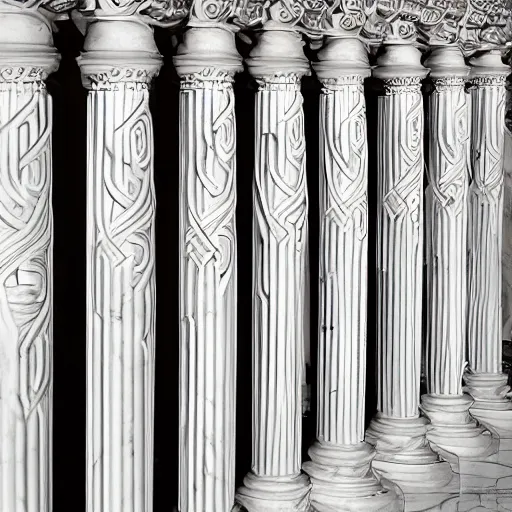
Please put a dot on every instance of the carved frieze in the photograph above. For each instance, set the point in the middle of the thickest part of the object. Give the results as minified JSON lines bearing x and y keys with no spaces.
{"x":158,"y":12}
{"x":486,"y":25}
{"x":440,"y":21}
{"x":393,"y":20}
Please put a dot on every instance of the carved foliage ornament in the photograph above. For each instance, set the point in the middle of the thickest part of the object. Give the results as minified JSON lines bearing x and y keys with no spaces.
{"x":487,"y":24}
{"x":311,"y":16}
{"x":161,"y":12}
{"x":56,"y":6}
{"x":440,"y":20}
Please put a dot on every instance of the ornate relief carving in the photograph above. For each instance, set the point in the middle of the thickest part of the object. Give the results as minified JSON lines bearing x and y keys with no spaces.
{"x":402,"y":85}
{"x":32,"y":74}
{"x":25,"y":297}
{"x":440,"y":21}
{"x":208,"y":291}
{"x":393,"y":20}
{"x":159,"y":12}
{"x":118,"y":78}
{"x":55,"y":6}
{"x":487,"y":24}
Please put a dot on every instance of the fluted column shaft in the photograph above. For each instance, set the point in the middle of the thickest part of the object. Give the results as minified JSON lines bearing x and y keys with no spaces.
{"x":120,"y":266}
{"x":485,"y":379}
{"x":448,"y":174}
{"x":400,"y":247}
{"x":279,"y":276}
{"x":485,"y":226}
{"x":343,"y":262}
{"x":26,"y":240}
{"x":207,"y":270}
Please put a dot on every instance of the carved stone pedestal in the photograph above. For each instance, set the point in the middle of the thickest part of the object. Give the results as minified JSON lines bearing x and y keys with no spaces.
{"x":453,"y":431}
{"x":342,"y":474}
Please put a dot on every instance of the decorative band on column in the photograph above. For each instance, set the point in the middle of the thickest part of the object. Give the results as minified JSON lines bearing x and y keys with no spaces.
{"x":27,"y":57}
{"x":120,"y":266}
{"x":208,"y":269}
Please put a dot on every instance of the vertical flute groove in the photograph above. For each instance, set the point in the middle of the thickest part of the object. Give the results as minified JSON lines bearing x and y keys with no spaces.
{"x":280,"y":238}
{"x":208,"y":292}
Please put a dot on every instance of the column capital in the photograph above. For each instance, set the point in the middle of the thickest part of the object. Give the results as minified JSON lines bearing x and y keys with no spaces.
{"x":208,"y":53}
{"x":342,"y":61}
{"x":118,"y":51}
{"x":165,"y":13}
{"x":487,"y":25}
{"x":279,"y":57}
{"x":27,"y":53}
{"x":400,"y":65}
{"x":447,"y":65}
{"x":487,"y":68}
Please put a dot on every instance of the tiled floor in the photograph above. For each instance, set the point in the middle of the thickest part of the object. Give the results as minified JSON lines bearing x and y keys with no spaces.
{"x":495,"y":502}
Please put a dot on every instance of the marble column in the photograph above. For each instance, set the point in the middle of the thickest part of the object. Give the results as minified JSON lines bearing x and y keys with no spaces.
{"x":279,"y":277}
{"x":397,"y":430}
{"x":340,"y":459}
{"x":485,"y":379}
{"x":206,"y":62}
{"x":453,"y":429}
{"x":27,"y":56}
{"x":119,"y":60}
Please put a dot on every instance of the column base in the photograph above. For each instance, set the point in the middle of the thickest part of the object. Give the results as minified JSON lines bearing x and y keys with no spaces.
{"x":403,"y":454}
{"x":274,"y":493}
{"x":493,"y":404}
{"x":342,"y":480}
{"x":454,"y":431}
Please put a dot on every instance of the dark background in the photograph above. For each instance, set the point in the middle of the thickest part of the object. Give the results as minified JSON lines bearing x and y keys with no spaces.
{"x":69,"y":203}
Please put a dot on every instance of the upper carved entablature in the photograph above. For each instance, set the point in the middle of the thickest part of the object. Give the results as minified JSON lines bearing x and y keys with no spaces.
{"x":301,"y":15}
{"x":393,"y":21}
{"x":53,"y":6}
{"x":487,"y":25}
{"x":440,"y":21}
{"x":165,"y":13}
{"x":235,"y":13}
{"x":342,"y":18}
